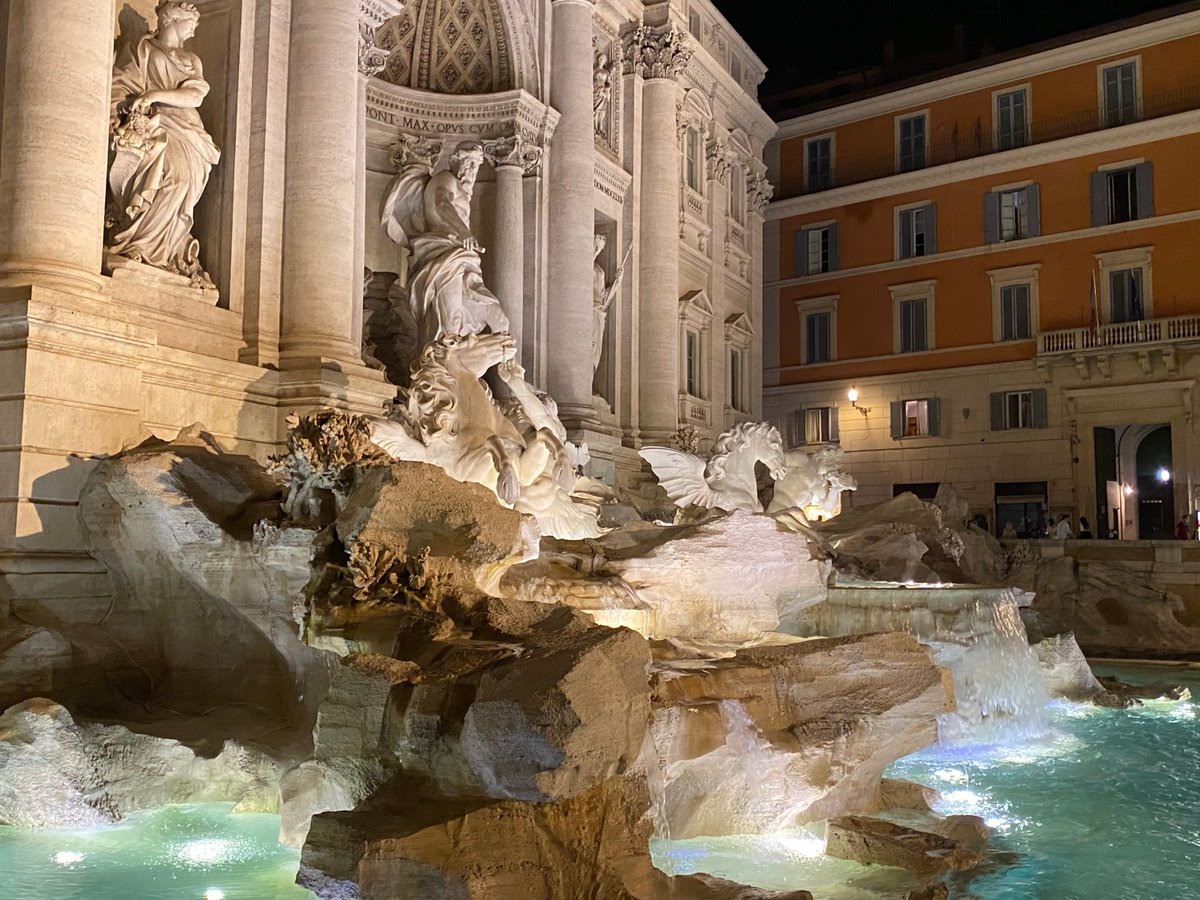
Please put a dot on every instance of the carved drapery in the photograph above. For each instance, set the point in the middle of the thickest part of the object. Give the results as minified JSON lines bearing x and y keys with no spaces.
{"x":657,"y":52}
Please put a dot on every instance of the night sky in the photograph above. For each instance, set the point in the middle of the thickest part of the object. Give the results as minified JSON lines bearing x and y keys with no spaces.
{"x":803,"y":41}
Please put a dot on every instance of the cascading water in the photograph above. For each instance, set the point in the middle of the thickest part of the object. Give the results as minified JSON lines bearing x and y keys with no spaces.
{"x":975,"y":633}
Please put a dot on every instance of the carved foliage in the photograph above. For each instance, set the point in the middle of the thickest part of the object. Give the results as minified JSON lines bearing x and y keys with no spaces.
{"x":657,"y":52}
{"x":759,"y":192}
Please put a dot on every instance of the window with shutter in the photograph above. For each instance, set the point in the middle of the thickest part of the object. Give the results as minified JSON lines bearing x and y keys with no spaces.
{"x":911,"y":140}
{"x":915,"y":418}
{"x":916,"y":228}
{"x":1126,"y":299}
{"x":913,"y":326}
{"x":1014,"y":312}
{"x":1012,"y":126}
{"x":1119,"y":84}
{"x":1122,"y":195}
{"x":817,"y":337}
{"x":819,"y":164}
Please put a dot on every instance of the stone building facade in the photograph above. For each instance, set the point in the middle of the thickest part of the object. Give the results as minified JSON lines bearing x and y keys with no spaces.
{"x":637,"y":121}
{"x":999,"y":261}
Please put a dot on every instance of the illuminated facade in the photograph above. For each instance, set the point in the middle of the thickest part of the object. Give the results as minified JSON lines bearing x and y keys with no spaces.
{"x":937,"y":247}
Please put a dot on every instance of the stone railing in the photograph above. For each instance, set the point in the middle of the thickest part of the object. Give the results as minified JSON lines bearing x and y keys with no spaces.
{"x":1120,"y":334}
{"x":693,"y":411}
{"x":737,"y":233}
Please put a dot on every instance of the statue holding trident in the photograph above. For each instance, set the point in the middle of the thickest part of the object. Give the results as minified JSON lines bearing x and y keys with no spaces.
{"x":602,"y":297}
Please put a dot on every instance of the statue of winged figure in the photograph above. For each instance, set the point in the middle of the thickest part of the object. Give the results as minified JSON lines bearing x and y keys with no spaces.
{"x":429,"y":214}
{"x":727,"y":481}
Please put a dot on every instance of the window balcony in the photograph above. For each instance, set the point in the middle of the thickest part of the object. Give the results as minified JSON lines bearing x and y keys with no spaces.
{"x":694,"y":411}
{"x":1142,"y":335}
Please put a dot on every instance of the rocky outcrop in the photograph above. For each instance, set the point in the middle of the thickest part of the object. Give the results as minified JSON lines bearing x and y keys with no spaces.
{"x":878,"y":842}
{"x":778,"y":736}
{"x":57,"y":773}
{"x":725,"y":580}
{"x":1065,"y":670}
{"x":410,"y":841}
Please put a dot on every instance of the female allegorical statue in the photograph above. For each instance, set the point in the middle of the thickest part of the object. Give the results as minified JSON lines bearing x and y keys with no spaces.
{"x":162,"y":153}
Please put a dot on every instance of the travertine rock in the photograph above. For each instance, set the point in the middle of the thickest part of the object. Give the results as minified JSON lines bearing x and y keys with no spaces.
{"x":876,"y":842}
{"x":409,"y":842}
{"x":780,"y":736}
{"x":57,"y":773}
{"x":201,"y":641}
{"x":896,"y":793}
{"x":1065,"y":670}
{"x":726,"y":580}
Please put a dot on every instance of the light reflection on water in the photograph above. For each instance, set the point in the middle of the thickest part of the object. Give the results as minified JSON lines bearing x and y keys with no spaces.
{"x":1109,"y":806}
{"x":200,"y":852}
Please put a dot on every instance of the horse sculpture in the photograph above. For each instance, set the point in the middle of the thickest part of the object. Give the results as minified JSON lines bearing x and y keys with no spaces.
{"x":728,"y":480}
{"x":450,"y":419}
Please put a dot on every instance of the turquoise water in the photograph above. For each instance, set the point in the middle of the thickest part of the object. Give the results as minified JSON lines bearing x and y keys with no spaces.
{"x":1107,"y":808}
{"x":202,"y":852}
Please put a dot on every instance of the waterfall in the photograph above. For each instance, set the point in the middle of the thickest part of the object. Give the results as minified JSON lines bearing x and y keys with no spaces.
{"x":975,"y":633}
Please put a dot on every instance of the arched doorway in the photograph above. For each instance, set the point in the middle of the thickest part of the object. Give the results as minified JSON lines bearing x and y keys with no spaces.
{"x":1155,"y":490}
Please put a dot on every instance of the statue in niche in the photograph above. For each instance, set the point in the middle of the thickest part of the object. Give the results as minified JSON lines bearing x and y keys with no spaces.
{"x":162,"y":155}
{"x":429,"y":215}
{"x":603,"y":294}
{"x":602,"y":87}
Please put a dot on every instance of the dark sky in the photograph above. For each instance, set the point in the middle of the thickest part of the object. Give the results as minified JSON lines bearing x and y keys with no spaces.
{"x":805,"y":40}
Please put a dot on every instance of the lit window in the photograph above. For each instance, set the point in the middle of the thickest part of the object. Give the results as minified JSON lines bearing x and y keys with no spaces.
{"x":916,"y":418}
{"x":820,"y":425}
{"x":1018,"y":409}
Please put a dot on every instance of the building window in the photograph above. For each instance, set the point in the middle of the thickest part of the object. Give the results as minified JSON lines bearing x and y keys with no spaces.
{"x":1119,"y":94}
{"x":1126,"y":286}
{"x":737,"y":379}
{"x":694,"y":22}
{"x":735,"y":68}
{"x":913,"y":323}
{"x":910,"y":142}
{"x":1012,"y":119}
{"x":816,"y":425}
{"x":1125,"y":295}
{"x":818,"y":328}
{"x":916,"y":229}
{"x":692,"y":364}
{"x":691,"y":154}
{"x":1122,"y":194}
{"x":818,"y":171}
{"x":737,"y":195}
{"x":1018,"y":409}
{"x":1014,"y":312}
{"x":1011,"y":214}
{"x":817,"y":249}
{"x":915,"y":418}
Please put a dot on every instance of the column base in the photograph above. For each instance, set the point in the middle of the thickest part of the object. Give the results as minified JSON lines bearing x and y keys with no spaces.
{"x":58,"y":278}
{"x":308,"y":383}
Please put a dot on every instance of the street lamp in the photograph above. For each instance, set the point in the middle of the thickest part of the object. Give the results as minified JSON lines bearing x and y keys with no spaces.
{"x":1164,"y":475}
{"x":853,"y":397}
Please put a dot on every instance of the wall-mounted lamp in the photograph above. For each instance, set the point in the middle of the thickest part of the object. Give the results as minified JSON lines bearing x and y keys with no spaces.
{"x":1127,"y":490}
{"x":1164,"y":475}
{"x":853,"y":396}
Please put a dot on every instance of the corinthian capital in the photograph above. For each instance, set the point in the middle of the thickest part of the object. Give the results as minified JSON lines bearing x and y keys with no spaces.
{"x":371,"y":59}
{"x":759,"y":192}
{"x":513,"y":151}
{"x":720,"y":161}
{"x":657,"y":52}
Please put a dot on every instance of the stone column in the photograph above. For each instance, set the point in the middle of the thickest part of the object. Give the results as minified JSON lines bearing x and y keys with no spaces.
{"x":659,"y":56}
{"x":320,"y":286}
{"x":512,"y":158}
{"x":572,"y":213}
{"x":54,"y":149}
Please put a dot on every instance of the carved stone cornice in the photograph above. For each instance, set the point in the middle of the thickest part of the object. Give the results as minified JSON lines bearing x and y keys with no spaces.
{"x":759,"y":192}
{"x":657,"y":52}
{"x":457,"y":118}
{"x":513,"y":152}
{"x":409,"y":148}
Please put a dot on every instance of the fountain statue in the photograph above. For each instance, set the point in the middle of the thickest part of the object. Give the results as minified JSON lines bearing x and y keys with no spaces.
{"x":603,"y":294}
{"x":161,"y":153}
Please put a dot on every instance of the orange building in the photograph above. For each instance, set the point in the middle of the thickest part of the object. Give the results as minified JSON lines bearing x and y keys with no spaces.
{"x":1002,"y":263}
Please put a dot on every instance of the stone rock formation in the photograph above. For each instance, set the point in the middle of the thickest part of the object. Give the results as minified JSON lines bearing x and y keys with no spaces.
{"x":878,"y":842}
{"x":57,"y":773}
{"x":1065,"y":670}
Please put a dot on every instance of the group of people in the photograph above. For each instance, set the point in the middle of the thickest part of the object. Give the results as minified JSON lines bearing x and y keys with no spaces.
{"x":1185,"y":530}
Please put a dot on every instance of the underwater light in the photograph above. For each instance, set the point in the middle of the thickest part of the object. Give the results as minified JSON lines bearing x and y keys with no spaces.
{"x":808,"y":846}
{"x":214,"y":894}
{"x":204,"y":852}
{"x":67,"y":858}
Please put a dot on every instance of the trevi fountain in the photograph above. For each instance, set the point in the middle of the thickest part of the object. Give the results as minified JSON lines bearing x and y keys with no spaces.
{"x":420,"y":654}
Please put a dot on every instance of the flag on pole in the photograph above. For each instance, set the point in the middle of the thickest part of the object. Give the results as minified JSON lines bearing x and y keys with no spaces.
{"x":1093,"y":311}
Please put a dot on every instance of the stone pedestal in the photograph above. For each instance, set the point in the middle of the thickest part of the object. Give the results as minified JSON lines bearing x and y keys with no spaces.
{"x":572,"y":213}
{"x":54,"y":145}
